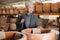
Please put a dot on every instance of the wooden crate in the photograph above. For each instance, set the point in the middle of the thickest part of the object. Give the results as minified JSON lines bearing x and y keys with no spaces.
{"x":46,"y":7}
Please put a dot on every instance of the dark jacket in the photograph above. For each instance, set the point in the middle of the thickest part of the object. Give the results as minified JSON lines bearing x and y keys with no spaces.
{"x":33,"y":21}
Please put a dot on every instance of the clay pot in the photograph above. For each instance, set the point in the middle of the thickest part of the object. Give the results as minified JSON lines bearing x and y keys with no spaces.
{"x":15,"y":10}
{"x":39,"y":34}
{"x":12,"y":20}
{"x":58,"y":3}
{"x":13,"y":26}
{"x":39,"y":8}
{"x":46,"y":7}
{"x":3,"y":19}
{"x":11,"y":11}
{"x":36,"y":3}
{"x":54,"y":7}
{"x":5,"y":26}
{"x":3,"y":10}
{"x":7,"y":9}
{"x":15,"y":36}
{"x":0,"y":10}
{"x":22,"y":10}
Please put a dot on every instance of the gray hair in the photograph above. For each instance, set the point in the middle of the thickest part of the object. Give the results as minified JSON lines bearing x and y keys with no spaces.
{"x":30,"y":5}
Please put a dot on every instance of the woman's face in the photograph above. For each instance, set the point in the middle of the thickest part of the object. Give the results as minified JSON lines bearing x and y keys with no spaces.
{"x":30,"y":9}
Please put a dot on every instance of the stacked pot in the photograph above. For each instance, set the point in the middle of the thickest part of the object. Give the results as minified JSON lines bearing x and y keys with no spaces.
{"x":39,"y":8}
{"x":8,"y":10}
{"x":54,"y":7}
{"x":46,"y":7}
{"x":58,"y":6}
{"x":0,"y":10}
{"x":22,"y":10}
{"x":15,"y":10}
{"x":12,"y":24}
{"x":3,"y":23}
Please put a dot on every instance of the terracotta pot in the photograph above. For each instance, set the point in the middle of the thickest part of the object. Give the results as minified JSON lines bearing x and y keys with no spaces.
{"x":3,"y":10}
{"x":36,"y":3}
{"x":15,"y":8}
{"x":54,"y":7}
{"x":7,"y":9}
{"x":12,"y":26}
{"x":46,"y":7}
{"x":22,"y":10}
{"x":15,"y":11}
{"x":39,"y":8}
{"x":11,"y":11}
{"x":12,"y":20}
{"x":42,"y":35}
{"x":0,"y":10}
{"x":3,"y":19}
{"x":58,"y":3}
{"x":5,"y":26}
{"x":15,"y":36}
{"x":11,"y":7}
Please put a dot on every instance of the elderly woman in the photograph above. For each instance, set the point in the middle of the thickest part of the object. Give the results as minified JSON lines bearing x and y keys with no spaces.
{"x":27,"y":20}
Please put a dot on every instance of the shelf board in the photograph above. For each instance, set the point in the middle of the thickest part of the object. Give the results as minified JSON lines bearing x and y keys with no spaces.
{"x":52,"y":13}
{"x":8,"y":14}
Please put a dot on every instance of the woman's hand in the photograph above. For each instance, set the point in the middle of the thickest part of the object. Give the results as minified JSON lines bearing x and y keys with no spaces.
{"x":22,"y":20}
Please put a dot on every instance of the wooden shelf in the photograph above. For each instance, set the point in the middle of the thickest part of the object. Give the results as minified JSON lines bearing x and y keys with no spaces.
{"x":38,"y":14}
{"x":8,"y":14}
{"x":52,"y":13}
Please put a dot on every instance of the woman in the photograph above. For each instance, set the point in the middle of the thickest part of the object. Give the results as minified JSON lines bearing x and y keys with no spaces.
{"x":27,"y":20}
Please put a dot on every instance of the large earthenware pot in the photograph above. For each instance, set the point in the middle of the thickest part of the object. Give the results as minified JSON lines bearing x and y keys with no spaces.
{"x":37,"y":34}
